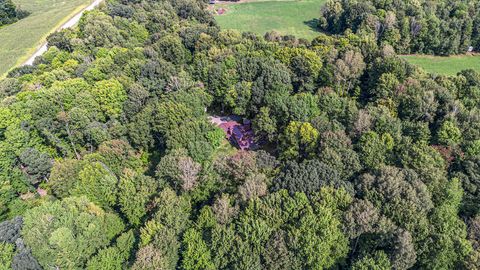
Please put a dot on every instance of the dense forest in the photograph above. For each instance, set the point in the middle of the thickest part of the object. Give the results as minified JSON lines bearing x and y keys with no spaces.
{"x":108,"y":159}
{"x":440,"y":27}
{"x":9,"y":13}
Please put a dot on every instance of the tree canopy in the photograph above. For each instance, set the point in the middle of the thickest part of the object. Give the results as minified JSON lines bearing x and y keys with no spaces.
{"x":110,"y":157}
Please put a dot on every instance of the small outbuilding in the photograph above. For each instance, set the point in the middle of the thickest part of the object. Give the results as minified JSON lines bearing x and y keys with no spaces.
{"x":212,"y":2}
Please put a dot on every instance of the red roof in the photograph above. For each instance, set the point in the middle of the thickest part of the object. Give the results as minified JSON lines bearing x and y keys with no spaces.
{"x":242,"y":135}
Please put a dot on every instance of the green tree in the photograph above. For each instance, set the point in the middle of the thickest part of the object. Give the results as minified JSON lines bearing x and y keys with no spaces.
{"x":195,"y":253}
{"x":401,"y":196}
{"x":98,"y":183}
{"x":449,"y":133}
{"x":67,"y":233}
{"x":449,"y":248}
{"x":307,"y":177}
{"x":111,"y":95}
{"x":23,"y":258}
{"x":374,"y":148}
{"x":36,"y":165}
{"x":134,"y":193}
{"x":64,"y":176}
{"x":8,"y":12}
{"x":6,"y":255}
{"x":379,"y":261}
{"x":265,"y":125}
{"x":180,"y":170}
{"x":114,"y":257}
{"x":10,"y":230}
{"x":299,"y":140}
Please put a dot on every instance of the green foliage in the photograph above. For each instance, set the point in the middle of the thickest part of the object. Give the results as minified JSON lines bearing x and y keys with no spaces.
{"x":449,"y":134}
{"x":449,"y":245}
{"x":374,"y":148}
{"x":23,"y":258}
{"x":401,"y":196}
{"x":422,"y":30}
{"x":200,"y":138}
{"x":265,"y":125}
{"x":98,"y":183}
{"x":110,"y":94}
{"x":67,"y":233}
{"x":379,"y":261}
{"x":6,"y":255}
{"x":179,"y":170}
{"x":307,"y":177}
{"x":114,"y":257}
{"x":8,"y":12}
{"x":299,"y":140}
{"x":36,"y":165}
{"x":173,"y":211}
{"x":196,"y":255}
{"x":10,"y":230}
{"x":134,"y":193}
{"x":361,"y":163}
{"x":64,"y":176}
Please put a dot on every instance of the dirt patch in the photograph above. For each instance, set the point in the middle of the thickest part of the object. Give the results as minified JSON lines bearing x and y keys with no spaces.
{"x":217,"y":11}
{"x":238,"y":2}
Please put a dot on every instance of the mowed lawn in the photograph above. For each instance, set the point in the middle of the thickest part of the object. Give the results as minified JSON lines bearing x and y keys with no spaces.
{"x":295,"y":17}
{"x":20,"y":40}
{"x":445,"y":65}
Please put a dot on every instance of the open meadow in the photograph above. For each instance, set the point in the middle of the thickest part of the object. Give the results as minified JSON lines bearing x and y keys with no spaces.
{"x":19,"y":40}
{"x":295,"y":17}
{"x":299,"y":18}
{"x":445,"y":65}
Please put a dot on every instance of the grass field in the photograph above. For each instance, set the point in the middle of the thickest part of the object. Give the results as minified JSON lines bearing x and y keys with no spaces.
{"x":19,"y":40}
{"x":296,"y":17}
{"x":445,"y":65}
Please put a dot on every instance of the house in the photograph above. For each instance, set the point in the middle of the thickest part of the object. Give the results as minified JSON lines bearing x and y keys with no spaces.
{"x":241,"y":135}
{"x":212,"y":2}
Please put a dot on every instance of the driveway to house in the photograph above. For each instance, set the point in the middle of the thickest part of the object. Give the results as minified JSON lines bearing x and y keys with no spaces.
{"x":70,"y":23}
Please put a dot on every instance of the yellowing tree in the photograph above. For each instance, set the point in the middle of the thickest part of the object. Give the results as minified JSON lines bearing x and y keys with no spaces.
{"x":299,"y":140}
{"x":110,"y":94}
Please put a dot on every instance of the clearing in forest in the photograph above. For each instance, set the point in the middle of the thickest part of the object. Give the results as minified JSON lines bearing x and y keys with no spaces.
{"x":445,"y":65}
{"x":294,"y":17}
{"x":19,"y":40}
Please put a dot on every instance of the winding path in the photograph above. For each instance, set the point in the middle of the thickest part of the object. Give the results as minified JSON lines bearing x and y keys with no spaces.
{"x":71,"y":22}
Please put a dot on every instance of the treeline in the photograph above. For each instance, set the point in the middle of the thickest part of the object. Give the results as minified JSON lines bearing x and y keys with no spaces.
{"x":442,"y":27}
{"x":108,"y":159}
{"x":9,"y":13}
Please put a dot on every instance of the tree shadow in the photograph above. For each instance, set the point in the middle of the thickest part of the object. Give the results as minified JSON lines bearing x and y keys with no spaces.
{"x":313,"y":24}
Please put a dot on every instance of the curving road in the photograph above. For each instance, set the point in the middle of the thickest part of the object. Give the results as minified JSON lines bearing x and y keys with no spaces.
{"x":73,"y":21}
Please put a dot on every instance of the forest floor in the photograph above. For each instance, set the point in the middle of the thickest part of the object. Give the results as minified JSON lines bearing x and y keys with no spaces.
{"x":294,"y":17}
{"x":20,"y":40}
{"x":450,"y":65}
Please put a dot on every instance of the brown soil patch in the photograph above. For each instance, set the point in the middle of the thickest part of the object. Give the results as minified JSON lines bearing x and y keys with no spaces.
{"x":238,"y":2}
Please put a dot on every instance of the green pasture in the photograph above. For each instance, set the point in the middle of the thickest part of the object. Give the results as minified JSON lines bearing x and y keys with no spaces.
{"x":20,"y":40}
{"x":445,"y":65}
{"x":295,"y":17}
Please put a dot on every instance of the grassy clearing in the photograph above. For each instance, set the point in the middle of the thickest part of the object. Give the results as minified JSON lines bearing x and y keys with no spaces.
{"x":19,"y":40}
{"x":445,"y":65}
{"x":295,"y":17}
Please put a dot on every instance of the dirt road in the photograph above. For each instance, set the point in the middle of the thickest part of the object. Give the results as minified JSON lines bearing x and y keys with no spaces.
{"x":71,"y":22}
